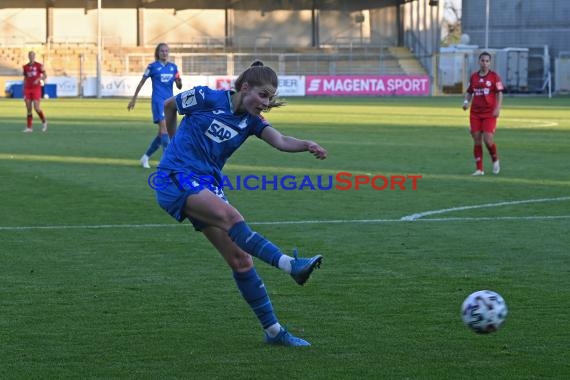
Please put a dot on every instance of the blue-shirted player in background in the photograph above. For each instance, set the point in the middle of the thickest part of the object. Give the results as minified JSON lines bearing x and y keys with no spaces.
{"x":215,"y":124}
{"x":162,"y":75}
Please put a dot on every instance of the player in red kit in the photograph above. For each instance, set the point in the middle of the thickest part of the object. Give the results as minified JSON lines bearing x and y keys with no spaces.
{"x":486,"y":91}
{"x":34,"y":74}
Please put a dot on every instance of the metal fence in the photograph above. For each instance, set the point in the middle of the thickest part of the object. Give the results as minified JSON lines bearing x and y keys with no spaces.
{"x":81,"y":60}
{"x":283,"y":63}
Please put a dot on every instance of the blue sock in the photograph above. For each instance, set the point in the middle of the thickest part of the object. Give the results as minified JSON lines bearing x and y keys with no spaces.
{"x":253,"y":291}
{"x":255,"y":244}
{"x":164,"y":141}
{"x":153,"y":147}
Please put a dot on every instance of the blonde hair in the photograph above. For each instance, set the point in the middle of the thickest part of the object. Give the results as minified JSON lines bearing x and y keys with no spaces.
{"x":259,"y":75}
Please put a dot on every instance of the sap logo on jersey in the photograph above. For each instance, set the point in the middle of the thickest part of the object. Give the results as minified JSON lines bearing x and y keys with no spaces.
{"x":165,"y":78}
{"x":219,"y":132}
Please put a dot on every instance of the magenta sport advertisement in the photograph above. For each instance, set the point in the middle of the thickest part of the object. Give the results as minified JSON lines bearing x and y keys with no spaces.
{"x":358,"y":85}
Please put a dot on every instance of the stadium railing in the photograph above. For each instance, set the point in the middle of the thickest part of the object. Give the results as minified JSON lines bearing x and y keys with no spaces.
{"x":79,"y":59}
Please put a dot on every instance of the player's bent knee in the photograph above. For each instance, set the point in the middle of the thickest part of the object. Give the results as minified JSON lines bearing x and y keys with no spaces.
{"x":240,"y":261}
{"x":231,"y":217}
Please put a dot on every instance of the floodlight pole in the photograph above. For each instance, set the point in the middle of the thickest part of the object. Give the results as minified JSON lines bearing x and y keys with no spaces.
{"x":99,"y":48}
{"x":487,"y":25}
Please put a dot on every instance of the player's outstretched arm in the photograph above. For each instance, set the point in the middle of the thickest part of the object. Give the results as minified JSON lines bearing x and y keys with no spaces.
{"x":134,"y":98}
{"x":291,"y":144}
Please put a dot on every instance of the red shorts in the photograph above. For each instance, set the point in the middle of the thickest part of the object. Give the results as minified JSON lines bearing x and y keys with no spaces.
{"x":483,"y":123}
{"x":33,"y":93}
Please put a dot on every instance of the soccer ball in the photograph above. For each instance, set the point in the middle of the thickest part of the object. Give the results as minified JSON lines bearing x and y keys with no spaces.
{"x":484,"y":311}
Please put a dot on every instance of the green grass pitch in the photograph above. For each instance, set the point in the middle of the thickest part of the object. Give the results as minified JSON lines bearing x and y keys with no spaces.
{"x":98,"y":282}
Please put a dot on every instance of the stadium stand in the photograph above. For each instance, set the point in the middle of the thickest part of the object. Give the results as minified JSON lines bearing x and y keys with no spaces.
{"x":81,"y":59}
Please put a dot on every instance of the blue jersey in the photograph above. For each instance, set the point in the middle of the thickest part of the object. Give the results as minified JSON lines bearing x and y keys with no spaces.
{"x":208,"y":134}
{"x":162,"y":76}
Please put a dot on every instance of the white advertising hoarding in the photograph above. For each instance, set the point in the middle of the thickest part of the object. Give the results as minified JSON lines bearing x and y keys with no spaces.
{"x":125,"y":86}
{"x":66,"y":86}
{"x":289,"y":85}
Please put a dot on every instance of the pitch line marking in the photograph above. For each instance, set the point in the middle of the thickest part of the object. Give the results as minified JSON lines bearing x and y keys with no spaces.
{"x":407,"y":218}
{"x":288,"y":222}
{"x":531,"y":123}
{"x":420,"y":215}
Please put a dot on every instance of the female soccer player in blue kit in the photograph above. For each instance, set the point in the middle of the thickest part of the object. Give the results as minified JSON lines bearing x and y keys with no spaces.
{"x":162,"y":75}
{"x":215,"y":124}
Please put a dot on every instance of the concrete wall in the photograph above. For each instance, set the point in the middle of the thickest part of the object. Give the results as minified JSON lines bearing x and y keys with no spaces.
{"x":519,"y":23}
{"x":119,"y":26}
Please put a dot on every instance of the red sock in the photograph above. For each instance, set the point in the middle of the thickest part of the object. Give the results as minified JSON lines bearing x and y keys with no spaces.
{"x":42,"y":117}
{"x":493,"y":152}
{"x":478,"y":154}
{"x":29,"y":121}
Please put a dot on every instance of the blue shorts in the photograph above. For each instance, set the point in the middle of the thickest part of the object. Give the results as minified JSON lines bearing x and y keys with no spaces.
{"x":175,"y":189}
{"x":157,"y":106}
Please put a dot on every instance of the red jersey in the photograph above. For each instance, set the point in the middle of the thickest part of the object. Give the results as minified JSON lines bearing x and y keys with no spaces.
{"x":484,"y":90}
{"x":32,"y":75}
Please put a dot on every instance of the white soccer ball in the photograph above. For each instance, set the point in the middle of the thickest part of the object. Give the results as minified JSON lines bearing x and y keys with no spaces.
{"x":484,"y":311}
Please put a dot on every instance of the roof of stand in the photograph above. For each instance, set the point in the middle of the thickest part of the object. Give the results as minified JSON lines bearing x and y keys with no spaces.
{"x":266,"y":5}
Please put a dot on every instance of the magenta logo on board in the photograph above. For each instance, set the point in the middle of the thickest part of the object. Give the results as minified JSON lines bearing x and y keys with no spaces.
{"x":359,"y":85}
